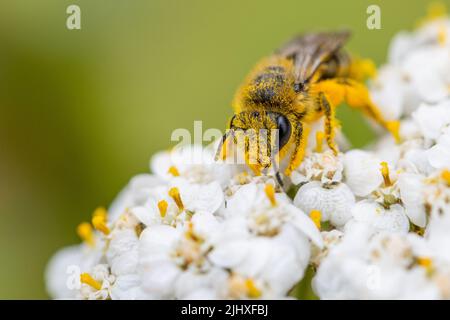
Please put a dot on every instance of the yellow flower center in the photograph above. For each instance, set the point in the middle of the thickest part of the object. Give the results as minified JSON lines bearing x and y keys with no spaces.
{"x":87,"y":279}
{"x":316,"y":217}
{"x":424,"y":262}
{"x":385,"y":173}
{"x":252,"y":290}
{"x":99,"y":220}
{"x":445,"y":175}
{"x":162,"y":206}
{"x":190,"y":251}
{"x":174,"y":171}
{"x":190,"y":233}
{"x":319,"y":141}
{"x":174,"y":193}
{"x":270,"y":192}
{"x":240,"y":287}
{"x":84,"y":231}
{"x":242,"y":178}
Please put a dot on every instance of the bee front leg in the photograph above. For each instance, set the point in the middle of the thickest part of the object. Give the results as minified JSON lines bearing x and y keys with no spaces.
{"x":221,"y":149}
{"x":251,"y":155}
{"x":330,"y":121}
{"x":274,"y":161}
{"x":301,"y":132}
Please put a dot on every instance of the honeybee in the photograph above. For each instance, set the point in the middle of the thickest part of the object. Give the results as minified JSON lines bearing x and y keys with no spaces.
{"x":303,"y":81}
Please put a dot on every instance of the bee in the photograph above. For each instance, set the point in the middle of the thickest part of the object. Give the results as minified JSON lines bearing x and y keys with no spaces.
{"x":304,"y":80}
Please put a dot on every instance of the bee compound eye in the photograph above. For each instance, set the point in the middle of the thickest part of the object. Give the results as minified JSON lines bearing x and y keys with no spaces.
{"x":284,"y":130}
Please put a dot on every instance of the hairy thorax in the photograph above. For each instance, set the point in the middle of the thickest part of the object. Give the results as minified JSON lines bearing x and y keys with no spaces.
{"x":270,"y":87}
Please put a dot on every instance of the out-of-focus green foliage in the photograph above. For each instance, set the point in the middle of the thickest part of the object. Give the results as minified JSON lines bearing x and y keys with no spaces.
{"x":82,"y":111}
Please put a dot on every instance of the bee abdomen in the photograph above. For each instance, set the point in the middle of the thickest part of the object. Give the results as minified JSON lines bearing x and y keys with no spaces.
{"x":337,"y":66}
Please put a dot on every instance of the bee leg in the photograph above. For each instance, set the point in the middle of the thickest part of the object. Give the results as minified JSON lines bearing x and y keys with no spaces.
{"x":357,"y":96}
{"x":252,"y":161}
{"x":276,"y":168}
{"x":301,"y":132}
{"x":221,"y":149}
{"x":330,"y":121}
{"x":279,"y":179}
{"x":272,"y":153}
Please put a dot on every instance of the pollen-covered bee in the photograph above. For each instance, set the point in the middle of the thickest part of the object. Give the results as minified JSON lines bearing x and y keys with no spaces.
{"x":304,"y":80}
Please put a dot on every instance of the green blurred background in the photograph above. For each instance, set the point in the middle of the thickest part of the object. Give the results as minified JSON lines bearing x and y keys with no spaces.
{"x":82,"y":111}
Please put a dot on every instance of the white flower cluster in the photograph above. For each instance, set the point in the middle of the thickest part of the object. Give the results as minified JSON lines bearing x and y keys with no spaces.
{"x":190,"y":231}
{"x":373,"y":224}
{"x":396,"y":244}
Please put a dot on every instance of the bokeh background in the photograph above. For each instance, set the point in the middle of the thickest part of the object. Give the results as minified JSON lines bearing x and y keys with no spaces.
{"x":82,"y":111}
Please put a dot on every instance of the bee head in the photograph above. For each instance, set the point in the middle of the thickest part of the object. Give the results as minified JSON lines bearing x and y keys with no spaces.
{"x":260,"y":134}
{"x":275,"y":126}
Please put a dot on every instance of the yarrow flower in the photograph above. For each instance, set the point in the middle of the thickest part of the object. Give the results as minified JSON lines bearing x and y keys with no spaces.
{"x":370,"y":224}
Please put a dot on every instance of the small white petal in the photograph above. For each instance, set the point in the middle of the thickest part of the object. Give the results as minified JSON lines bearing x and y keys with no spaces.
{"x":334,"y":202}
{"x":230,"y":255}
{"x":205,"y":223}
{"x":142,"y":214}
{"x":418,"y":159}
{"x":122,"y":254}
{"x":429,"y":70}
{"x":393,"y":219}
{"x":283,"y":271}
{"x":303,"y":223}
{"x":439,"y":155}
{"x":412,"y":195}
{"x":431,"y":119}
{"x":362,"y":172}
{"x":156,"y":241}
{"x":258,"y":256}
{"x":197,"y":197}
{"x":127,"y":287}
{"x":56,"y":273}
{"x":160,"y":279}
{"x":388,"y":92}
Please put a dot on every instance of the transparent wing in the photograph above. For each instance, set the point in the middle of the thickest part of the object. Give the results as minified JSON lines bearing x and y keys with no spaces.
{"x":310,"y":50}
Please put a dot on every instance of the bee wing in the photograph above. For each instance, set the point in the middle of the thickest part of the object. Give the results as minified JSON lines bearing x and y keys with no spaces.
{"x":310,"y":50}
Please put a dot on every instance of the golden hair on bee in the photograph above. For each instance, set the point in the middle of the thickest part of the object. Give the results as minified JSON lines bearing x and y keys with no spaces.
{"x":303,"y":81}
{"x":270,"y":84}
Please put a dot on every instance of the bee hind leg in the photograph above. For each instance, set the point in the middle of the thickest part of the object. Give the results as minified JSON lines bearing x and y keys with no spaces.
{"x":357,"y":97}
{"x":330,"y":121}
{"x":301,"y":132}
